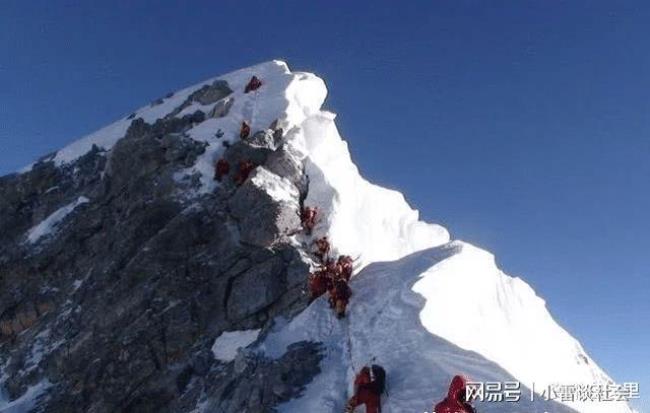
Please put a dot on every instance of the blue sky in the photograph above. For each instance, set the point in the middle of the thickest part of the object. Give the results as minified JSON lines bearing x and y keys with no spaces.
{"x":524,"y":127}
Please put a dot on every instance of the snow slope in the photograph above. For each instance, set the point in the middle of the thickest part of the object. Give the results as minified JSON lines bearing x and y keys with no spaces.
{"x":405,"y":307}
{"x":436,"y":313}
{"x":384,"y":326}
{"x":515,"y":329}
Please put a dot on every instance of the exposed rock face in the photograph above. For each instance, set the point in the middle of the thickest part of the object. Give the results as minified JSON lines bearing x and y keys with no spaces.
{"x":263,"y":219}
{"x":218,"y":90}
{"x":284,"y":164}
{"x":263,"y":139}
{"x":253,"y":384}
{"x":19,"y":318}
{"x":221,"y":108}
{"x":118,"y":309}
{"x":206,"y":95}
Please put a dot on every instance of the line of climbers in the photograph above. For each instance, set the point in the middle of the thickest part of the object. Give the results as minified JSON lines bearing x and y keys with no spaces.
{"x":333,"y":276}
{"x":370,"y":385}
{"x":245,"y":167}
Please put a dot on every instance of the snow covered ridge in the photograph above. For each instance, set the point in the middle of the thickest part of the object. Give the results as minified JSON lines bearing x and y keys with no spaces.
{"x":405,"y":309}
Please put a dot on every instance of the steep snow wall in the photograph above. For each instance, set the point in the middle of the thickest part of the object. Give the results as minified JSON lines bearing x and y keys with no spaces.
{"x":361,"y":219}
{"x":474,"y":305}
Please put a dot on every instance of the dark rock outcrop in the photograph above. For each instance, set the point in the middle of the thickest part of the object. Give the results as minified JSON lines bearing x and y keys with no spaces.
{"x":119,"y":309}
{"x":263,"y":220}
{"x":221,"y":108}
{"x":207,"y":95}
{"x":253,"y":384}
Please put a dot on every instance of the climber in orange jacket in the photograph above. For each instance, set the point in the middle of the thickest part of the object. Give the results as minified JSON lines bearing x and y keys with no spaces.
{"x":245,"y":130}
{"x":322,"y":249}
{"x":253,"y":84}
{"x":366,"y":392}
{"x":221,"y":169}
{"x":340,"y":294}
{"x":330,"y":268}
{"x":345,"y":266}
{"x":455,"y":401}
{"x":245,"y":169}
{"x":319,"y":283}
{"x":308,"y":219}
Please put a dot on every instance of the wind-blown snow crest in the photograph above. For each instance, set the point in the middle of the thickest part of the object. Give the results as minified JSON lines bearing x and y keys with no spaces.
{"x":362,"y":220}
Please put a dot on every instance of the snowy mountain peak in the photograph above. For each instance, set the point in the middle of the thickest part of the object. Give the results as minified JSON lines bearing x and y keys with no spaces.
{"x":292,"y":100}
{"x":423,"y":306}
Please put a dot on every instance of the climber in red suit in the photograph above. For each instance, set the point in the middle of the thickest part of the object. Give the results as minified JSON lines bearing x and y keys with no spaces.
{"x":331,"y":268}
{"x":455,"y":401}
{"x":319,"y":284}
{"x":364,"y":394}
{"x":322,"y":249}
{"x":340,"y":294}
{"x":245,"y":169}
{"x":221,"y":169}
{"x":253,"y":84}
{"x":308,"y":219}
{"x":345,"y":265}
{"x":245,"y":130}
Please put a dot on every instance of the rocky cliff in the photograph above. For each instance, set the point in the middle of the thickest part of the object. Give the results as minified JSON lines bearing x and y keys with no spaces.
{"x":113,"y":303}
